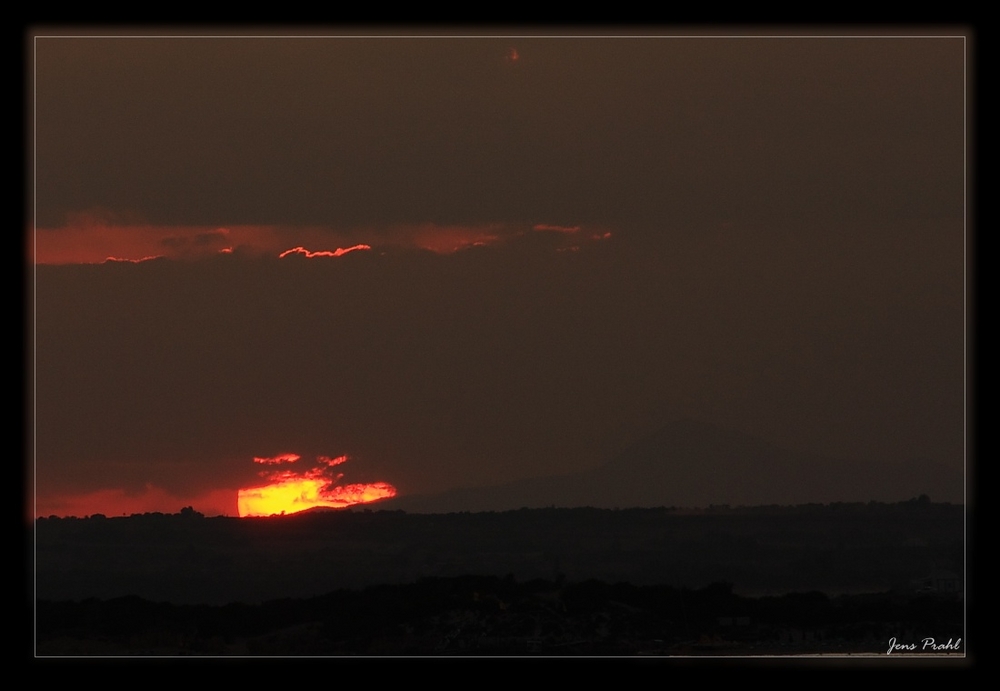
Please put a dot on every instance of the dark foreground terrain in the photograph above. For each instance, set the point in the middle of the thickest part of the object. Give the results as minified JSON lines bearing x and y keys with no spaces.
{"x":486,"y":615}
{"x":834,"y":578}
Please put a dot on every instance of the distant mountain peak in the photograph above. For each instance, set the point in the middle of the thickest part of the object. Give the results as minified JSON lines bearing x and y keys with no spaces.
{"x":688,"y":435}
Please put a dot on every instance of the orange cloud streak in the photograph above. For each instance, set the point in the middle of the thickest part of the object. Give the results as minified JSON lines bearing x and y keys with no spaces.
{"x":280,"y":458}
{"x":134,"y":261}
{"x":339,"y":252}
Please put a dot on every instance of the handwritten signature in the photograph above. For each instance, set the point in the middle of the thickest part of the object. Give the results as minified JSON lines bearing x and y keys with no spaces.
{"x":925,"y":644}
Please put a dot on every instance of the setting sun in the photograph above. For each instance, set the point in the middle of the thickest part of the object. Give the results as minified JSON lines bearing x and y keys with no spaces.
{"x":290,"y":492}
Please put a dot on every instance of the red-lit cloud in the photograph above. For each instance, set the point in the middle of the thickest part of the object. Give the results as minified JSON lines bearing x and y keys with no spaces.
{"x":555,"y":228}
{"x":95,"y":239}
{"x":274,"y":460}
{"x":133,"y":261}
{"x":330,"y":462}
{"x":96,"y":243}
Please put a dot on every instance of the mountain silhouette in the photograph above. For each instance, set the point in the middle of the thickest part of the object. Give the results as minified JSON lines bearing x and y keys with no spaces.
{"x":689,"y":463}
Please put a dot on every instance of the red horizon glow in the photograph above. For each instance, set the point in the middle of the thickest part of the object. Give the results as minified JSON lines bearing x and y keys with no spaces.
{"x":120,"y":502}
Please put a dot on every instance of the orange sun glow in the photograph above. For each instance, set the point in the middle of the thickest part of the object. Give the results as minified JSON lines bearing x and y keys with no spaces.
{"x":290,"y":492}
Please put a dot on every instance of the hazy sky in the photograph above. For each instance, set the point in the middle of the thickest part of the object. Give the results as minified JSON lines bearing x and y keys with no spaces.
{"x":557,"y":245}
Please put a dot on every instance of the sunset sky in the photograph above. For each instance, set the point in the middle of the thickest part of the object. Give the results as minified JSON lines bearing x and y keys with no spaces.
{"x":461,"y":260}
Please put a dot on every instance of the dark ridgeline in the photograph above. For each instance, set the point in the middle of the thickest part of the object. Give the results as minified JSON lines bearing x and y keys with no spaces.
{"x":192,"y":559}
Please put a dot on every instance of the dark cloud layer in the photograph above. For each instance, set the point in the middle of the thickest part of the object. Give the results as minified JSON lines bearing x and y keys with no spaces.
{"x":349,"y":131}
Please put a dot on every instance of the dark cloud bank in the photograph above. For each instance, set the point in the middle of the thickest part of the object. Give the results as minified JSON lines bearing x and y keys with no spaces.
{"x":496,"y":363}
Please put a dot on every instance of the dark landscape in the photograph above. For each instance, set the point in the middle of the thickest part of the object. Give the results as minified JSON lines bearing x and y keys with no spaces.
{"x":491,"y":616}
{"x":837,"y":578}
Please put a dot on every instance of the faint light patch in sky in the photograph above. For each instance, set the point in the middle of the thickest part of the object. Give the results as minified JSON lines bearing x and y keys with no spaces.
{"x":556,"y":229}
